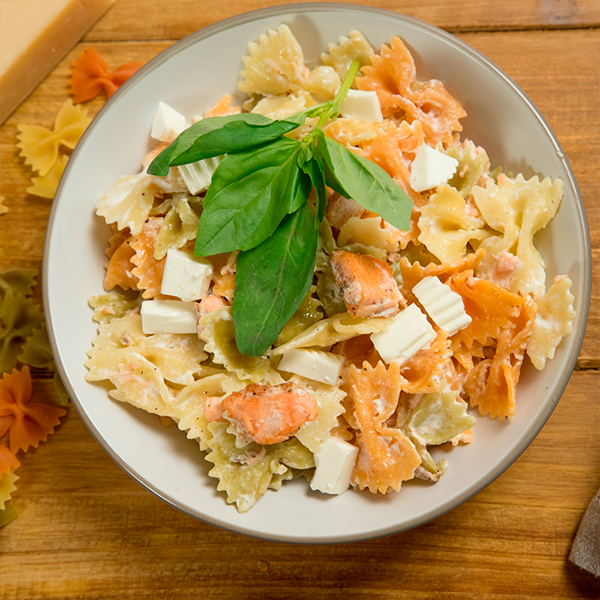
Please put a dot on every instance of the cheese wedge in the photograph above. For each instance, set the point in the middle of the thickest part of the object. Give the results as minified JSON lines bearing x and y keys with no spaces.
{"x":34,"y":36}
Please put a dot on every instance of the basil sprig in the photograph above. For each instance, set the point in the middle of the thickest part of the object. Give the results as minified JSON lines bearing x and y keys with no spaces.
{"x":257,"y":203}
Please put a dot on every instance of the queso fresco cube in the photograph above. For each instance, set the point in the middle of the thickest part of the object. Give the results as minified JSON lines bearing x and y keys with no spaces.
{"x":186,"y":276}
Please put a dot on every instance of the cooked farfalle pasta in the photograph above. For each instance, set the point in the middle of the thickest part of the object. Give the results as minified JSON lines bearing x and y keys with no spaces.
{"x":3,"y":207}
{"x":340,"y":55}
{"x":517,"y":209}
{"x":448,"y":224}
{"x":129,"y":201}
{"x":553,"y":321}
{"x":330,"y":378}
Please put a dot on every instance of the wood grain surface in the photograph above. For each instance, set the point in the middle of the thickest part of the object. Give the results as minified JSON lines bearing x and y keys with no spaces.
{"x":86,"y":530}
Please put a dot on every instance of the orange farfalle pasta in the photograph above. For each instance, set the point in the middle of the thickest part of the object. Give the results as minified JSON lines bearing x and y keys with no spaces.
{"x":393,"y":76}
{"x":40,"y":146}
{"x":119,"y":269}
{"x":426,"y":371}
{"x":412,"y":273}
{"x":147,"y":269}
{"x":90,"y":76}
{"x":27,"y":424}
{"x":223,"y":108}
{"x":8,"y":460}
{"x":492,"y":384}
{"x":499,"y":317}
{"x":386,"y":456}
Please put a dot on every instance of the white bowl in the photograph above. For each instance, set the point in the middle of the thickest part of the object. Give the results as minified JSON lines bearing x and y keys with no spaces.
{"x":191,"y":76}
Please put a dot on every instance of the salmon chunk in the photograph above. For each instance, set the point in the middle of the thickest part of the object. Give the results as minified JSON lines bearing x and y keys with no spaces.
{"x":367,"y":285}
{"x":268,"y":414}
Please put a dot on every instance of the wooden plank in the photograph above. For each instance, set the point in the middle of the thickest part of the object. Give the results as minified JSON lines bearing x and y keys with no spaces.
{"x":178,"y":18}
{"x":87,"y":530}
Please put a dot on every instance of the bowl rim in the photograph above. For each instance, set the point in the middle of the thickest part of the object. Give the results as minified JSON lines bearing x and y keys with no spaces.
{"x":578,"y":334}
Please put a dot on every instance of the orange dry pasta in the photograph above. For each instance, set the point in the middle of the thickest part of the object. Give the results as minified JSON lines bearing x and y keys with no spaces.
{"x":27,"y":424}
{"x":90,"y":76}
{"x":8,"y":460}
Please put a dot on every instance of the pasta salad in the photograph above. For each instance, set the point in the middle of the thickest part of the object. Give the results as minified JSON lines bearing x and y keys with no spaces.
{"x":321,"y":282}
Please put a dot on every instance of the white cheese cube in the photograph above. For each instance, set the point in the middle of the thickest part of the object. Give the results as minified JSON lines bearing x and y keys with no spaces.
{"x":167,"y":123}
{"x":186,"y":276}
{"x":363,"y":105}
{"x":335,"y":463}
{"x":312,"y":364}
{"x":197,"y":175}
{"x":168,"y":316}
{"x":430,"y":168}
{"x":445,"y":307}
{"x":409,"y":332}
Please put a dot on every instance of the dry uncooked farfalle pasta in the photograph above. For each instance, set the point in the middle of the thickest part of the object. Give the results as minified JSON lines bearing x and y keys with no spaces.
{"x":27,"y":423}
{"x":8,"y":460}
{"x":7,"y":487}
{"x":40,"y":146}
{"x":18,"y":281}
{"x":45,"y":186}
{"x":554,"y":321}
{"x":36,"y":350}
{"x":90,"y":76}
{"x":19,"y":318}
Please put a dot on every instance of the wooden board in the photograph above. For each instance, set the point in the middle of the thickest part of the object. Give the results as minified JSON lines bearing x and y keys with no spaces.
{"x":86,"y":530}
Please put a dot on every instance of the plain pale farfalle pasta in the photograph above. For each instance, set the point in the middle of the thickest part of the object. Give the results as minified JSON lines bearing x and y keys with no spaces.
{"x":474,"y":233}
{"x":40,"y":146}
{"x":517,"y":209}
{"x":45,"y":186}
{"x":448,"y":224}
{"x":554,"y":321}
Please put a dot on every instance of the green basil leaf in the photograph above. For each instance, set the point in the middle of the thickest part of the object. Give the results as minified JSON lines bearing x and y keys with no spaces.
{"x":311,"y":163}
{"x":221,"y":135}
{"x":364,"y":181}
{"x":272,"y":280}
{"x":160,"y":165}
{"x":215,"y":136}
{"x":249,"y":195}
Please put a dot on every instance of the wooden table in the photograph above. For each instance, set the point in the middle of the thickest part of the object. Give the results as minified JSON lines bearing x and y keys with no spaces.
{"x":86,"y":530}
